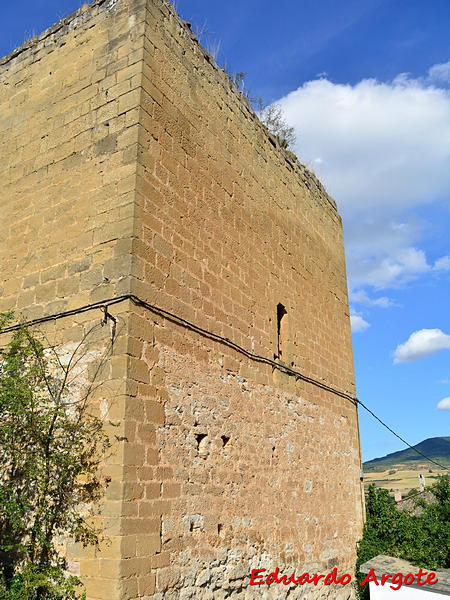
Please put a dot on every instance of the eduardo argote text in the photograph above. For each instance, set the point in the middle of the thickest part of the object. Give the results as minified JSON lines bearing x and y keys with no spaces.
{"x":395,"y":580}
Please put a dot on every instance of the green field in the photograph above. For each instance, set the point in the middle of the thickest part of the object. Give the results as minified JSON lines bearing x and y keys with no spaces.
{"x":400,"y":470}
{"x":401,"y":478}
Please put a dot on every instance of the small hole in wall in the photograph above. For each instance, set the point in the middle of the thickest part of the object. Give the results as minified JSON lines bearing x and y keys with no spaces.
{"x":225,"y":440}
{"x":191,"y":526}
{"x":199,"y":437}
{"x":219,"y":528}
{"x":273,"y":451}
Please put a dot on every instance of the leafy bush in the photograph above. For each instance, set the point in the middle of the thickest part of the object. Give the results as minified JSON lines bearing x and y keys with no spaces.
{"x":50,"y":449}
{"x":38,"y":583}
{"x":422,"y":539}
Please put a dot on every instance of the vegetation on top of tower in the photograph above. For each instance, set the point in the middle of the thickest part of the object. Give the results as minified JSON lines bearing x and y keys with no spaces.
{"x":273,"y":118}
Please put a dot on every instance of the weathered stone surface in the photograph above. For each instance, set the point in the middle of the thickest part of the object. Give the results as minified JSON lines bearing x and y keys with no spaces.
{"x":133,"y":165}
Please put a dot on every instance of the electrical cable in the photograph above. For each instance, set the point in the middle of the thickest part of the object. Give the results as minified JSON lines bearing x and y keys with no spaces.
{"x":105,"y":304}
{"x":399,"y":437}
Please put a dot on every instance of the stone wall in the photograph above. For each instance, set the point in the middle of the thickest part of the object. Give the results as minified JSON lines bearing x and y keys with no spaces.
{"x":133,"y":165}
{"x":69,"y":105}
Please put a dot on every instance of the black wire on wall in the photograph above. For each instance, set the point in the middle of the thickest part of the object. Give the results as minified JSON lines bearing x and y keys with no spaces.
{"x":105,"y":304}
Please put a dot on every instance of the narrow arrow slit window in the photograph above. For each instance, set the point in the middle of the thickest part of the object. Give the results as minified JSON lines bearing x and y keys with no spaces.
{"x":281,"y":329}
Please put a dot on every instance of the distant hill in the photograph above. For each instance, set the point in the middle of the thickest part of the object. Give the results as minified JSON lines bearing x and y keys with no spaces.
{"x":437,"y":448}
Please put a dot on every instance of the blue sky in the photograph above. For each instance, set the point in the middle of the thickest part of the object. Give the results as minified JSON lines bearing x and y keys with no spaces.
{"x":366,"y":86}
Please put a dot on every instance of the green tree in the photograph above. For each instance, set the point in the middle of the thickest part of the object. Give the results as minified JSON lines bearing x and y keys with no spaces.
{"x":50,"y":448}
{"x":423,"y":538}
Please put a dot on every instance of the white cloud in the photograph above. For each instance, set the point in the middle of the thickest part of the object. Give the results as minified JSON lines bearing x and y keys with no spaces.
{"x":361,"y":297}
{"x":440,"y":73}
{"x":444,"y":404}
{"x":381,"y":271}
{"x":380,"y":251}
{"x":380,"y":143}
{"x":381,"y":148}
{"x":442,"y":264}
{"x":420,"y":344}
{"x":358,"y":324}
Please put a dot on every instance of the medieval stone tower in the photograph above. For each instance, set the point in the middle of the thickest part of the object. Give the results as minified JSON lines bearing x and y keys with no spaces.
{"x":132,"y":169}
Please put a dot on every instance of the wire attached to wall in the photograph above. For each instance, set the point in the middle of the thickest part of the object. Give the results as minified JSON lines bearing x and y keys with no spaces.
{"x":107,"y":316}
{"x":399,"y":437}
{"x":105,"y":304}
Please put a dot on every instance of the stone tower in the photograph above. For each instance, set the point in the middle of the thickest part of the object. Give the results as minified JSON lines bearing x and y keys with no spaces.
{"x":132,"y":169}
